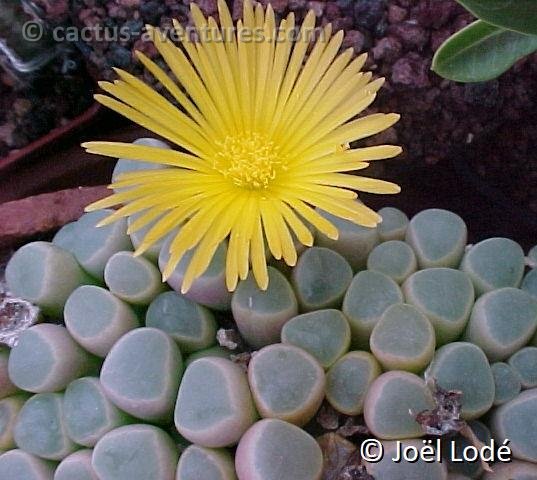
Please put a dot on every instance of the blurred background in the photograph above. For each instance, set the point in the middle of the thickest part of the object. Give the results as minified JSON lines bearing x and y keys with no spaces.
{"x":468,"y":147}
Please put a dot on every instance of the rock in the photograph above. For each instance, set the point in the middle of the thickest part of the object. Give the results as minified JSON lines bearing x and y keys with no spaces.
{"x":396,"y":14}
{"x":413,"y":36}
{"x":354,"y":39}
{"x":411,"y":71}
{"x":26,"y":218}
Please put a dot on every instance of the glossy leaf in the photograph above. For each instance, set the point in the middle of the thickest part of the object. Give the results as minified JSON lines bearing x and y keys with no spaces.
{"x":517,"y":15}
{"x":481,"y":52}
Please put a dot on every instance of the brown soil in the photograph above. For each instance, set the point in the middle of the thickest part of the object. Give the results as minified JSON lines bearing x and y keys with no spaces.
{"x":487,"y":130}
{"x":468,"y":148}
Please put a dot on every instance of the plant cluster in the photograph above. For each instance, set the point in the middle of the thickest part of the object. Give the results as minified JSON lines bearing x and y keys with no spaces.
{"x":366,"y":324}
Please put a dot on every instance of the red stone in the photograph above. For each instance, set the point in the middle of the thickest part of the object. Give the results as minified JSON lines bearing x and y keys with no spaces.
{"x":26,"y":218}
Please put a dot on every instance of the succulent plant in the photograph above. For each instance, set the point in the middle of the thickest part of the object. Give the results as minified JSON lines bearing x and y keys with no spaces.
{"x":141,"y":374}
{"x":7,"y":387}
{"x":191,"y":325}
{"x":515,"y":420}
{"x":214,"y":406}
{"x":462,"y":366}
{"x":97,"y":319}
{"x":391,"y":405}
{"x":494,"y":263}
{"x":210,"y":288}
{"x":403,"y":339}
{"x":91,"y":246}
{"x":287,"y":383}
{"x":9,"y":409}
{"x":40,"y":428}
{"x":448,"y":307}
{"x":325,"y":334}
{"x":209,"y":463}
{"x":132,"y":279}
{"x":422,"y":314}
{"x":321,"y":278}
{"x":507,"y":382}
{"x":20,"y":464}
{"x":393,"y":258}
{"x":348,"y":381}
{"x":438,"y":237}
{"x":44,"y":274}
{"x":261,"y":315}
{"x":88,"y":414}
{"x":76,"y":466}
{"x":135,"y":452}
{"x":47,"y":359}
{"x":369,"y":295}
{"x":273,"y":449}
{"x":394,"y":224}
{"x":524,"y":363}
{"x":404,"y":470}
{"x":502,"y":322}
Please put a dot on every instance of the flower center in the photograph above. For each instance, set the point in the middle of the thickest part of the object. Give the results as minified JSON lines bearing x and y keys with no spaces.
{"x":250,"y":161}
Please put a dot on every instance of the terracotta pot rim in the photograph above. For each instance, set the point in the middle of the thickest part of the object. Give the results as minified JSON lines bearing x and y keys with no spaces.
{"x":54,"y":135}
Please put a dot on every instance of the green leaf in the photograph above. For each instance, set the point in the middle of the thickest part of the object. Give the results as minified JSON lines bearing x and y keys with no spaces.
{"x":517,"y":15}
{"x":481,"y":52}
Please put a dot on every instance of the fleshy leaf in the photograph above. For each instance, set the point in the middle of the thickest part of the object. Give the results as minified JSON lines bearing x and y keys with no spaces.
{"x":518,"y":15}
{"x":481,"y":52}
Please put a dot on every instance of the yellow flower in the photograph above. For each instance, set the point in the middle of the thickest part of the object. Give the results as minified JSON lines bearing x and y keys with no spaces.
{"x":263,"y":141}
